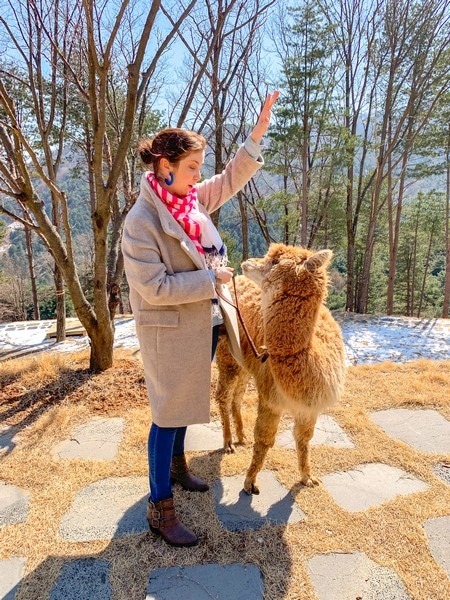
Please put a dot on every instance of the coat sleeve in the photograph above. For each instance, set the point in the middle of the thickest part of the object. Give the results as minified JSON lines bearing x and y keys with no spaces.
{"x":148,"y":275}
{"x":214,"y":192}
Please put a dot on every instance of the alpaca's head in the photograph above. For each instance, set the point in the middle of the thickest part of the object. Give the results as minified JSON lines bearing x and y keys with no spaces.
{"x":293,"y":284}
{"x":290,"y":270}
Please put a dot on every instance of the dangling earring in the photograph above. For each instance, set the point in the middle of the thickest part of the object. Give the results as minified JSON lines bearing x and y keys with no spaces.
{"x":170,"y":180}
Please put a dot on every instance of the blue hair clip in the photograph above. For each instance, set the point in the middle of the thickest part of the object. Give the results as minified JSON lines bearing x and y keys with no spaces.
{"x":170,"y":180}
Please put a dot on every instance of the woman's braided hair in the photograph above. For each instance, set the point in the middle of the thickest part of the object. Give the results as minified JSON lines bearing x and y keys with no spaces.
{"x":174,"y":144}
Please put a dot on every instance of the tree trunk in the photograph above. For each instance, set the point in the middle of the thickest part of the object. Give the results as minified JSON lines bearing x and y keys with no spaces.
{"x":60,"y":305}
{"x":408,"y":285}
{"x":102,"y":343}
{"x":363,"y":291}
{"x":394,"y":226}
{"x":446,"y":304}
{"x":287,"y":240}
{"x":244,"y":224}
{"x":304,"y":194}
{"x":425,"y":273}
{"x":350,"y":285}
{"x":114,"y":300}
{"x":58,"y":279}
{"x":414,"y":265}
{"x":30,"y":257}
{"x":391,"y":233}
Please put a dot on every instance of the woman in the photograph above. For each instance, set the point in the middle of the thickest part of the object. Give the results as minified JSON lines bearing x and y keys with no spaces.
{"x":174,"y":260}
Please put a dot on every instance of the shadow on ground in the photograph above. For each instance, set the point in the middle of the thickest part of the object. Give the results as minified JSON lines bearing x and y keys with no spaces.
{"x":122,"y":569}
{"x":23,"y":409}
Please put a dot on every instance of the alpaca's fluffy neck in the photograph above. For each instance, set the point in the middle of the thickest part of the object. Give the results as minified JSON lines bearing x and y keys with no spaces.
{"x":289,"y":323}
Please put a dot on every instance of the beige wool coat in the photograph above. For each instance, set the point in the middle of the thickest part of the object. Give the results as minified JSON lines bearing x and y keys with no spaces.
{"x":170,"y":295}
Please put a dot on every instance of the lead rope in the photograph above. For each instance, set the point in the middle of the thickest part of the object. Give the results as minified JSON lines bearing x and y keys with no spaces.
{"x":259,"y":355}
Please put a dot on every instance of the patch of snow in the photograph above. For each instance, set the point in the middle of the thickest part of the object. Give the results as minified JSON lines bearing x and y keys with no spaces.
{"x":368,"y":338}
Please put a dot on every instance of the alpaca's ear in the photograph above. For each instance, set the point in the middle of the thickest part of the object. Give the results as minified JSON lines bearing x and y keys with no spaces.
{"x":319,"y":259}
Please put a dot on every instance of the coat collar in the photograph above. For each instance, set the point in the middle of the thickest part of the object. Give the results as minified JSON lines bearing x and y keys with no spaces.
{"x":170,"y":225}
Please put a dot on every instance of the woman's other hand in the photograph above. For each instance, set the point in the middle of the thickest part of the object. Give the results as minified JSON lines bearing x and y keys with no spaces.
{"x":224,"y":274}
{"x":265,"y":115}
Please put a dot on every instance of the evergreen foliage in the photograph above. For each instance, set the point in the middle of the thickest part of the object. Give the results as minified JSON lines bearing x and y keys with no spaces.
{"x":357,"y":158}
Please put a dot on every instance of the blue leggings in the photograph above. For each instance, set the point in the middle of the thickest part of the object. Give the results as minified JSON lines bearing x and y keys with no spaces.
{"x":163,"y":443}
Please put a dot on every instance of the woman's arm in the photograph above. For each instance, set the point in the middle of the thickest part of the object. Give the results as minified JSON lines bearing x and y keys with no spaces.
{"x":148,"y":275}
{"x":262,"y":125}
{"x":214,"y":192}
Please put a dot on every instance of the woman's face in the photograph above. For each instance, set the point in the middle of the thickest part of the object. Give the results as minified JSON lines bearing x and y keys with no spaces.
{"x":186,"y":173}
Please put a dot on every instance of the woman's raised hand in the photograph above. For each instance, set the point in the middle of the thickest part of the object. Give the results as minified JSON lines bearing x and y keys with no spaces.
{"x":265,"y":115}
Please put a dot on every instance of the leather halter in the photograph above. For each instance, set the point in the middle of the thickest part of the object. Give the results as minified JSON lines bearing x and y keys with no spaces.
{"x":264,"y":355}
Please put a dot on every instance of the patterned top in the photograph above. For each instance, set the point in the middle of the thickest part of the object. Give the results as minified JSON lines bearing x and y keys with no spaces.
{"x":215,"y":259}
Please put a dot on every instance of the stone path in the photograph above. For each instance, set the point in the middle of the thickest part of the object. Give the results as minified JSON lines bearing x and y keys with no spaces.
{"x":115,"y":507}
{"x":203,"y":582}
{"x":354,"y":576}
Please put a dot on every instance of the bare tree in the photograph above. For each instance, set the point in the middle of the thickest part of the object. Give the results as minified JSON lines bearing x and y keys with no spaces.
{"x":82,"y":40}
{"x":307,"y":147}
{"x":417,"y":36}
{"x":354,"y":26}
{"x":15,"y":291}
{"x":220,"y":39}
{"x":446,"y":304}
{"x":32,"y":271}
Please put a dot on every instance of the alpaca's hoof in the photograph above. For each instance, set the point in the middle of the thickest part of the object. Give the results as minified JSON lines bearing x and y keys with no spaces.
{"x":310,"y":481}
{"x":229,"y":448}
{"x":251,"y":488}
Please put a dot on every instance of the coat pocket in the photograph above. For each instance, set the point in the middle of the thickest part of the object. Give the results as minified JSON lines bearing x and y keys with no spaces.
{"x":158,"y":318}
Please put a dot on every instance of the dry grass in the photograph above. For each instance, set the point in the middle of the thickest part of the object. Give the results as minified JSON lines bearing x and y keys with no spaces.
{"x":43,"y":398}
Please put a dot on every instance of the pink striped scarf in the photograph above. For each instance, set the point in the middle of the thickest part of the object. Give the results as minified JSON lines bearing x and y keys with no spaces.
{"x":184,"y":210}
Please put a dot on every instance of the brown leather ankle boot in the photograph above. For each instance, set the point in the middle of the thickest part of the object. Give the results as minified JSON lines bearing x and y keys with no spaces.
{"x":180,"y":473}
{"x":163,"y":521}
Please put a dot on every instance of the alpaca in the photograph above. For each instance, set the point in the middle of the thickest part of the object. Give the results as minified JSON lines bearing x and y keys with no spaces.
{"x":281,"y":299}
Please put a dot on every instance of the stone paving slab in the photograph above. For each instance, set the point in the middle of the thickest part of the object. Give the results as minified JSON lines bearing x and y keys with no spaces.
{"x":438,"y":533}
{"x":11,"y":573}
{"x":105,"y":509}
{"x":204,"y":582}
{"x":83,"y":579}
{"x":425,"y":430}
{"x":238,"y":511}
{"x":13,"y":504}
{"x":349,"y":576}
{"x":327,"y":432}
{"x":98,"y":439}
{"x":9,"y":438}
{"x":208,"y":437}
{"x":370,"y":485}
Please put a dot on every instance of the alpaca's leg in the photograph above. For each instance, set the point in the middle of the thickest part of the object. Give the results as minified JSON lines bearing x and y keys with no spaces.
{"x":225,"y":387}
{"x":265,"y":431}
{"x":239,"y":391}
{"x":229,"y":372}
{"x":303,"y":433}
